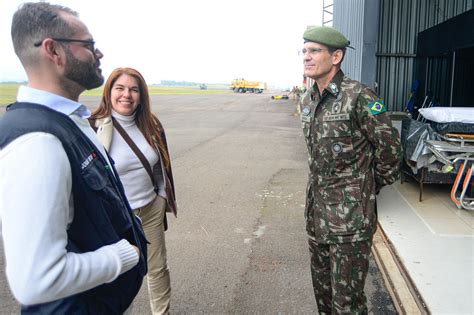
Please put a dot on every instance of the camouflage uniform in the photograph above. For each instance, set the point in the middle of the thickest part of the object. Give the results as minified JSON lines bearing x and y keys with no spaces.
{"x":353,"y":152}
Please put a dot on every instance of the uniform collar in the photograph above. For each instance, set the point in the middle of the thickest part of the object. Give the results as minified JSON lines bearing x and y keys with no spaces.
{"x":55,"y":102}
{"x":335,"y":85}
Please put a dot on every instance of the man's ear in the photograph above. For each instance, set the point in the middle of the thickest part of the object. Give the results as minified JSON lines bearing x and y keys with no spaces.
{"x":337,"y":57}
{"x":53,"y":51}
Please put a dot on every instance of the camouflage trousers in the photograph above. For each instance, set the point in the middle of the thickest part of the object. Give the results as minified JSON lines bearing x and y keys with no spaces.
{"x":338,"y":272}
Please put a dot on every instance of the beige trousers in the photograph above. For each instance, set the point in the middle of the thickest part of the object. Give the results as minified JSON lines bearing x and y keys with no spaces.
{"x":158,"y":276}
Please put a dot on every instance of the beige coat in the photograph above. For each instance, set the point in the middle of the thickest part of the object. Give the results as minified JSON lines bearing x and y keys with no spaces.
{"x":104,"y":128}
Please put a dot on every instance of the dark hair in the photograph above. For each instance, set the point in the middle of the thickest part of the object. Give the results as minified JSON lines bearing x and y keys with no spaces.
{"x":35,"y":21}
{"x":147,"y":123}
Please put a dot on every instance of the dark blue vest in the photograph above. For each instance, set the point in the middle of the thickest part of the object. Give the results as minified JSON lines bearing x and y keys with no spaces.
{"x":102,"y":215}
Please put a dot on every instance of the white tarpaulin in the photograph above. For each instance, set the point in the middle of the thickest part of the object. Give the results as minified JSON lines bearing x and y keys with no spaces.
{"x":449,"y":114}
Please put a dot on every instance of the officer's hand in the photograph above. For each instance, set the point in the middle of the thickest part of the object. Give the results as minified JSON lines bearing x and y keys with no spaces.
{"x":136,"y":249}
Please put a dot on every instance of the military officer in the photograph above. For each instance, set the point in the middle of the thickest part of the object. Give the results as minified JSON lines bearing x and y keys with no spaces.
{"x":353,"y":152}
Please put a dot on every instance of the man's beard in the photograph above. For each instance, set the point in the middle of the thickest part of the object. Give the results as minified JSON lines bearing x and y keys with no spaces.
{"x":83,"y":73}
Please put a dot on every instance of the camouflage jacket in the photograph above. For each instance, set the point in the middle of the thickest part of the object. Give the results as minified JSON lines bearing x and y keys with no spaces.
{"x":353,"y":152}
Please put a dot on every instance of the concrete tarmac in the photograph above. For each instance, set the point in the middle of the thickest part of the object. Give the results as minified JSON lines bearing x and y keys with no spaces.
{"x":239,"y":244}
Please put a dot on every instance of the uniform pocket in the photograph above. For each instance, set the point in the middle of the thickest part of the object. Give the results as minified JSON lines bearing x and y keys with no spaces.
{"x":343,"y":206}
{"x":337,"y":138}
{"x":334,"y":153}
{"x":341,"y":190}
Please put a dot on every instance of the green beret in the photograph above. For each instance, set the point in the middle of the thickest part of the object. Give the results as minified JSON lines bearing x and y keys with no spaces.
{"x":327,"y":36}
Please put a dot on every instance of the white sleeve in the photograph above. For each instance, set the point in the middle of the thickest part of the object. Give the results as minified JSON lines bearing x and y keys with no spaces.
{"x":35,"y":195}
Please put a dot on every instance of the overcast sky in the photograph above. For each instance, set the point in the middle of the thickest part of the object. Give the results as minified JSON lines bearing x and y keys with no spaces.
{"x":208,"y":41}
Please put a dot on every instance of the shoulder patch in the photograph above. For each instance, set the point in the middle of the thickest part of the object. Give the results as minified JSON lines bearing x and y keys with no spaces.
{"x":377,"y":107}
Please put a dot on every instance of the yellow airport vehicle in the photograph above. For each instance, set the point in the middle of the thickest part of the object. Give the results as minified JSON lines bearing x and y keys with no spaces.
{"x":244,"y":86}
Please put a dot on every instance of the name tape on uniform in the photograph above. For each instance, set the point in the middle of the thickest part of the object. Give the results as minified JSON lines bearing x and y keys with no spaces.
{"x":336,"y":117}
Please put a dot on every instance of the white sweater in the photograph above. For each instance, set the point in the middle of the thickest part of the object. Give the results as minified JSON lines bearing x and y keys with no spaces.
{"x":135,"y":179}
{"x":36,"y":208}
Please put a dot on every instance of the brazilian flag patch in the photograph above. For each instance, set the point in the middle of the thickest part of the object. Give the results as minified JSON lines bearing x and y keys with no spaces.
{"x":377,"y":107}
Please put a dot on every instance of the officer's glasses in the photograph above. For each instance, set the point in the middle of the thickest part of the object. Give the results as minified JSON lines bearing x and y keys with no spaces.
{"x":312,"y":51}
{"x":88,"y":44}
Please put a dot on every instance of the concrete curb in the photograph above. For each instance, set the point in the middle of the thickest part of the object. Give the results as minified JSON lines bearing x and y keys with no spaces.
{"x":403,"y":291}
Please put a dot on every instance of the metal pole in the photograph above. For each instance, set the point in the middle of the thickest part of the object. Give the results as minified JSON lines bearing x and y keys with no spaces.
{"x":452,"y":79}
{"x":427,"y":69}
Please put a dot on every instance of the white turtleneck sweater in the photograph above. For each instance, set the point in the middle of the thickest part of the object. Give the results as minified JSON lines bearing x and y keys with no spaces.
{"x":136,"y":181}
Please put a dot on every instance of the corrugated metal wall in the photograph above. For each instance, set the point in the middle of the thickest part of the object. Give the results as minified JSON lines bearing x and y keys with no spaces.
{"x":353,"y":29}
{"x":399,"y":22}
